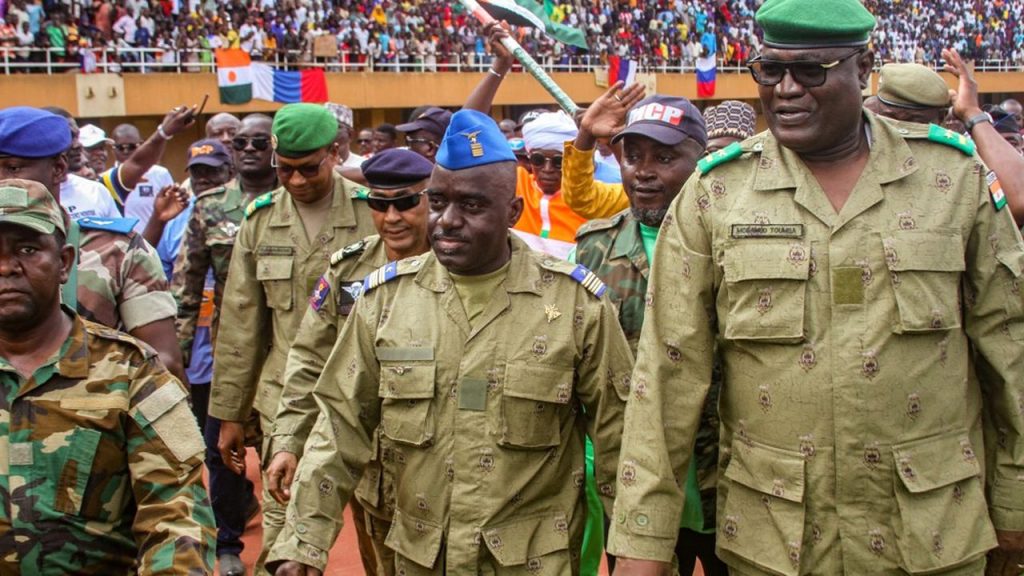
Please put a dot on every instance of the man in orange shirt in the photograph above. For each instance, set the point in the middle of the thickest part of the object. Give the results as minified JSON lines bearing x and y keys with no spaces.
{"x":545,"y":213}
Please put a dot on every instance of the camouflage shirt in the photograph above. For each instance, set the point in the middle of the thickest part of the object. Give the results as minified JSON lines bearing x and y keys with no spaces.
{"x":613,"y":249}
{"x":120,"y":281}
{"x":100,"y":464}
{"x":207,"y":243}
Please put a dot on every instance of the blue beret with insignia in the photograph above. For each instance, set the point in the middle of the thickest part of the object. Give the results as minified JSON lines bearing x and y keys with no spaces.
{"x":473,"y":139}
{"x":27,"y":132}
{"x":396,"y":168}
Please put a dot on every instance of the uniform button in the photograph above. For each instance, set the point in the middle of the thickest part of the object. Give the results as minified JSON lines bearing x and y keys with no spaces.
{"x":758,"y":147}
{"x":641,"y":520}
{"x":621,"y":518}
{"x":300,"y":528}
{"x":904,"y":131}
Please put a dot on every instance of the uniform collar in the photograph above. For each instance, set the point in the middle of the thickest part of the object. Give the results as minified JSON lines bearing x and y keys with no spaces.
{"x":342,"y":214}
{"x":523,"y":272}
{"x":629,"y":244}
{"x":71,"y":359}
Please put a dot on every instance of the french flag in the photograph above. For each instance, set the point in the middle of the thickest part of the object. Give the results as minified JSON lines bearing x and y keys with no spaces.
{"x":706,"y":70}
{"x":288,"y":86}
{"x":621,"y":69}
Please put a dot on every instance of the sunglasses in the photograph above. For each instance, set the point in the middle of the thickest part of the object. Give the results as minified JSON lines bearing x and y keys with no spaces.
{"x":131,"y":147}
{"x":538,"y":160}
{"x":401,"y":203}
{"x":285,"y":171}
{"x":241,"y":143}
{"x":806,"y":73}
{"x":412,"y":141}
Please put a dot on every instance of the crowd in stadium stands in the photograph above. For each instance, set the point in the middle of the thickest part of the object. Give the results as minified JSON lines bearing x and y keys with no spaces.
{"x":433,"y":35}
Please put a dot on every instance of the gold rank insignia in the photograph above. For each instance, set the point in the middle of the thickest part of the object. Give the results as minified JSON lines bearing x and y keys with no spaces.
{"x":551,"y":311}
{"x":475,"y":148}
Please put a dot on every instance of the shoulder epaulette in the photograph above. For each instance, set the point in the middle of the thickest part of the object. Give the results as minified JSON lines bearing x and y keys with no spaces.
{"x":727,"y":154}
{"x":390,"y":271}
{"x":109,"y":333}
{"x":350,"y":250}
{"x":117,"y":225}
{"x":600,"y":224}
{"x":261,"y":201}
{"x":577,"y":272}
{"x":949,"y":138}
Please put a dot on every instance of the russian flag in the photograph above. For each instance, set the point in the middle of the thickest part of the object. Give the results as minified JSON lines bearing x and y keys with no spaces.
{"x":706,"y":70}
{"x":288,"y":86}
{"x":621,"y":69}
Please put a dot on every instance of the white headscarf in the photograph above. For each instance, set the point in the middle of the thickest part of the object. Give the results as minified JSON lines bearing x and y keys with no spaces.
{"x":550,"y":131}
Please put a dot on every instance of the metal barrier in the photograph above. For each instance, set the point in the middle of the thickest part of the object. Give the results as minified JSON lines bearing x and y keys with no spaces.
{"x":148,"y":60}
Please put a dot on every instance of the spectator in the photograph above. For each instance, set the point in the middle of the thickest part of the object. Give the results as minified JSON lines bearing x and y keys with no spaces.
{"x":384,"y":136}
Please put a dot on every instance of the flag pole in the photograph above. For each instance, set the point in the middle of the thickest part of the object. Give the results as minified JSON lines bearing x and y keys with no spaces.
{"x":526,"y":60}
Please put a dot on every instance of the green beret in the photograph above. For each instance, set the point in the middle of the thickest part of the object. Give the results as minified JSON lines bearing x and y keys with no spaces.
{"x":301,"y":129}
{"x":814,"y":23}
{"x":912,"y":86}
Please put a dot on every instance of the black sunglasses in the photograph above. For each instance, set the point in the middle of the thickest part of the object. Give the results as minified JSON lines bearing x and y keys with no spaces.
{"x":411,"y":141}
{"x":130,"y":147}
{"x":538,"y":160}
{"x":806,"y":73}
{"x":241,"y":143}
{"x":285,"y":171}
{"x":401,"y":203}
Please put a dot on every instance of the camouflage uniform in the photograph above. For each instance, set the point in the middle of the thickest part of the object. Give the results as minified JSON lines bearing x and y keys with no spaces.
{"x":100,"y":464}
{"x":860,"y":350}
{"x":613,"y":249}
{"x":485,"y":423}
{"x":330,"y":306}
{"x":274,"y":269}
{"x":207,"y":243}
{"x":120,"y":281}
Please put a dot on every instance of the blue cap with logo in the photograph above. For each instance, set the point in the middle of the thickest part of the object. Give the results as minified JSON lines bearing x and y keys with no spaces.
{"x":27,"y":132}
{"x":665,"y":119}
{"x":208,"y":152}
{"x":472,"y":139}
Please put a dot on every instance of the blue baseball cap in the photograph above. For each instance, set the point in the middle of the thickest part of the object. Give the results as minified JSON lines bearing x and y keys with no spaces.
{"x":472,"y":139}
{"x":208,"y":152}
{"x":28,"y":132}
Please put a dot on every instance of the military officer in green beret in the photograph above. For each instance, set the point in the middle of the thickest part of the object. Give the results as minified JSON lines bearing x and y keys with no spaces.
{"x":284,"y":245}
{"x":483,"y":363}
{"x":861,"y":280}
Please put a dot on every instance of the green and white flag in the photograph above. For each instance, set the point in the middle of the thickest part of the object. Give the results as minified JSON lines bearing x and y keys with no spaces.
{"x":533,"y":14}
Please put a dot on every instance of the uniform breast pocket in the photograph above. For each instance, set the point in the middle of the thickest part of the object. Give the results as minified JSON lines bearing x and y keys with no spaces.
{"x":276,"y":276}
{"x":534,"y":400}
{"x":407,"y":393}
{"x":54,"y":477}
{"x":925,"y":268}
{"x":767,"y":288}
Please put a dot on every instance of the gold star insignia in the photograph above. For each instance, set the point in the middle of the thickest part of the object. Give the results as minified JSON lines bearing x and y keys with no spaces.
{"x":551,"y":311}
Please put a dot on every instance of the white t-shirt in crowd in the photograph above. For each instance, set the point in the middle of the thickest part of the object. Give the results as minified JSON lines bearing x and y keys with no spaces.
{"x":354,"y":160}
{"x":139,"y":203}
{"x":84,"y":198}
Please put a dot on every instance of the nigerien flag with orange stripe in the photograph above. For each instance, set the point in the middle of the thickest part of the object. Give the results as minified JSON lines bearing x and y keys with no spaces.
{"x":234,"y":76}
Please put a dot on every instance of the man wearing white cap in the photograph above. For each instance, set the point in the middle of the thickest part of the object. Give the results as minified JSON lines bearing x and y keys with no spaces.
{"x":94,"y":140}
{"x":545,"y":213}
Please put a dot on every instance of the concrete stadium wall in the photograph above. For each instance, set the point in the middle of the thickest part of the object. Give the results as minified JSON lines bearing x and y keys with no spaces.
{"x":143,"y":99}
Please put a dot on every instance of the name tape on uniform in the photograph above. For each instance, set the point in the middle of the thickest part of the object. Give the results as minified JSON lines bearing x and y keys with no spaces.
{"x":767,"y":231}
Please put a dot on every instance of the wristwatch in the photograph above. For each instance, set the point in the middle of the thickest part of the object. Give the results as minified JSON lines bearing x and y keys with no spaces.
{"x":977,"y":119}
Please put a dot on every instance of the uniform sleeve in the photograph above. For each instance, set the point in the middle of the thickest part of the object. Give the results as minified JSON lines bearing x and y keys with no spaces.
{"x":298,"y":410}
{"x":672,"y":376}
{"x":339,"y":446}
{"x":242,"y":348}
{"x":174,"y":526}
{"x":144,"y":295}
{"x":995,"y":326}
{"x":189,"y":279}
{"x":111,"y":180}
{"x":585,"y":195}
{"x":604,"y":377}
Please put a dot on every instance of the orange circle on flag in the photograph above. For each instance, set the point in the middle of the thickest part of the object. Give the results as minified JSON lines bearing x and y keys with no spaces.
{"x":232,"y":76}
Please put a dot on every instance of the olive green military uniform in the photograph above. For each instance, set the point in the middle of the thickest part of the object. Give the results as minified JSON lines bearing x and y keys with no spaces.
{"x":332,"y":301}
{"x":613,"y":249}
{"x":101,"y":464}
{"x":273,"y":271}
{"x":485,"y":423}
{"x":852,"y":344}
{"x":206,"y":244}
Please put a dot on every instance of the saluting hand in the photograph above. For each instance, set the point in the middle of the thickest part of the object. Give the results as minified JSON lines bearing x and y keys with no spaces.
{"x":606,"y":117}
{"x":965,"y":97}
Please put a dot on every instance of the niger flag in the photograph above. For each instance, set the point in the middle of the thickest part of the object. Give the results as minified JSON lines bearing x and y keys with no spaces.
{"x":234,"y":76}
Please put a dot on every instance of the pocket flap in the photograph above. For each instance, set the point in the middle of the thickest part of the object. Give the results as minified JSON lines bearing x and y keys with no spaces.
{"x":539,"y":382}
{"x":768,"y":470}
{"x":924,"y":250}
{"x":111,"y":402}
{"x":1013,"y":260}
{"x":514,"y":543}
{"x":402,"y":380}
{"x":415,"y":539}
{"x":274,"y":269}
{"x":782,"y":261}
{"x":929,"y":463}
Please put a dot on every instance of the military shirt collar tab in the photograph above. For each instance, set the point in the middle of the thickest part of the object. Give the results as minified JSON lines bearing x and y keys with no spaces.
{"x":775,"y":167}
{"x":74,"y":354}
{"x":628,"y":241}
{"x":891,"y":157}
